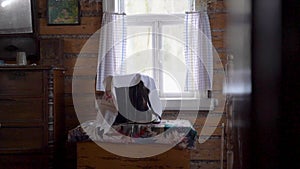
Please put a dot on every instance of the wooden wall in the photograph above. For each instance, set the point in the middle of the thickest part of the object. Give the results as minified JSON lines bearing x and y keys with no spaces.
{"x":207,"y":155}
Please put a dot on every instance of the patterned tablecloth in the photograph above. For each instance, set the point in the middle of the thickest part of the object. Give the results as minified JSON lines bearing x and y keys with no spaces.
{"x":178,"y":132}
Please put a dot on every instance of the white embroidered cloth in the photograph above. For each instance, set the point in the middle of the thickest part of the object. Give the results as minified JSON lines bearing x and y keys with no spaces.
{"x":108,"y":107}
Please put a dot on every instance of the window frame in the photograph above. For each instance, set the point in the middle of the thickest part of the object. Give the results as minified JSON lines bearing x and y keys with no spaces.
{"x":157,"y":21}
{"x":172,"y":102}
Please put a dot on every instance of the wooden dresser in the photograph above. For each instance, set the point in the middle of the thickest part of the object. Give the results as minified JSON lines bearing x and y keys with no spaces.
{"x":31,"y":117}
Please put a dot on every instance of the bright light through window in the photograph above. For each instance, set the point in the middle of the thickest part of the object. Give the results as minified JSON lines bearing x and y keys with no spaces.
{"x":156,"y":6}
{"x":155,"y":46}
{"x":139,"y":50}
{"x":173,"y":60}
{"x":155,"y":43}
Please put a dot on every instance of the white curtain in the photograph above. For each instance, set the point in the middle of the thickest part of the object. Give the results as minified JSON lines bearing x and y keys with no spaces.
{"x":198,"y":52}
{"x":112,"y":48}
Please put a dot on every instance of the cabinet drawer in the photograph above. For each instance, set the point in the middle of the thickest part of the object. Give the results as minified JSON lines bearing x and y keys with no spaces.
{"x":21,"y":139}
{"x":21,"y":109}
{"x":21,"y":83}
{"x":28,"y":161}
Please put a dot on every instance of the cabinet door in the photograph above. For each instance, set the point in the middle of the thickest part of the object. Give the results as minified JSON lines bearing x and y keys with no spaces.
{"x":21,"y":83}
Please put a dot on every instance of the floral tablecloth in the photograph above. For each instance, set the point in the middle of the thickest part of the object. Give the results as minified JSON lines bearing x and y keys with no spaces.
{"x":178,"y":132}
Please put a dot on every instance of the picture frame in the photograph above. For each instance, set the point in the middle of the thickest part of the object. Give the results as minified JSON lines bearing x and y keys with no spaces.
{"x":63,"y":12}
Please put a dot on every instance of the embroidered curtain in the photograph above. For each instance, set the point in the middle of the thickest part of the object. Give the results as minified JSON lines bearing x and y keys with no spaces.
{"x":198,"y":52}
{"x":112,"y":49}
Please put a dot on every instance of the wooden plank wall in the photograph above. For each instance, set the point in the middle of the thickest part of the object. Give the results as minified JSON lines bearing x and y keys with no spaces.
{"x":207,"y":155}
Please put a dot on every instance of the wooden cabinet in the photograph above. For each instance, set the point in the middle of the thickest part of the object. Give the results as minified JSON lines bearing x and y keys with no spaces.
{"x":31,"y":116}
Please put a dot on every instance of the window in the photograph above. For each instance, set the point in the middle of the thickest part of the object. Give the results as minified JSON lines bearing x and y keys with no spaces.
{"x":157,"y":6}
{"x":156,"y":43}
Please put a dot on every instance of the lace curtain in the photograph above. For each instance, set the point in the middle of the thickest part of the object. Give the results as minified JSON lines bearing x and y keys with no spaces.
{"x":198,"y":52}
{"x":112,"y":49}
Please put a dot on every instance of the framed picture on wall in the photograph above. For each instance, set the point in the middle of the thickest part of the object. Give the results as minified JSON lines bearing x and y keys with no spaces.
{"x":63,"y":12}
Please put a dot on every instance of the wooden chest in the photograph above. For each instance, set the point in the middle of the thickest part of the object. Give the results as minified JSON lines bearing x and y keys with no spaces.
{"x":31,"y":116}
{"x":90,"y":155}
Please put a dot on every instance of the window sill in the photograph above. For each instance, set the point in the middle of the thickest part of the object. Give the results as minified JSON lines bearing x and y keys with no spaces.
{"x":188,"y":103}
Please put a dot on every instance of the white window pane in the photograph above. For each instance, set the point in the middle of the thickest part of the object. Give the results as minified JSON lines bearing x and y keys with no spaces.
{"x":156,"y":6}
{"x":173,"y":40}
{"x":139,"y":54}
{"x":173,"y":59}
